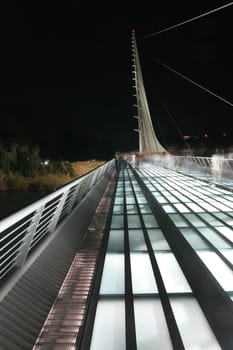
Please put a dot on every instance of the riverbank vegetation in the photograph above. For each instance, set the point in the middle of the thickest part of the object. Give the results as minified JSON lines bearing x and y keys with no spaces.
{"x":22,"y":168}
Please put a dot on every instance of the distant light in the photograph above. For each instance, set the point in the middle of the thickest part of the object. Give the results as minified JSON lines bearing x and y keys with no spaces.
{"x":206,"y":135}
{"x":224,"y":134}
{"x":133,"y":30}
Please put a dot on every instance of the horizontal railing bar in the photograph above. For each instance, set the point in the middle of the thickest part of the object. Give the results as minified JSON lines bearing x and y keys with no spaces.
{"x":52,"y":205}
{"x":19,"y":243}
{"x":16,"y":228}
{"x":43,"y":229}
{"x":16,"y":252}
{"x":10,"y":234}
{"x":10,"y":263}
{"x":11,"y":219}
{"x":12,"y":240}
{"x":45,"y":220}
{"x":21,"y":231}
{"x":2,"y":274}
{"x":38,"y":238}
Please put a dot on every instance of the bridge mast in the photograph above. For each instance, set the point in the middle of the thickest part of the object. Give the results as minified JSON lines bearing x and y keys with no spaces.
{"x":148,"y":142}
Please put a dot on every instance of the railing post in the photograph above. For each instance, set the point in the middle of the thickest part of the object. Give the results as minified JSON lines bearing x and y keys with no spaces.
{"x":29,"y":237}
{"x":93,"y":180}
{"x":88,"y":184}
{"x":73,"y":199}
{"x":57,"y":213}
{"x":101,"y":170}
{"x":34,"y":222}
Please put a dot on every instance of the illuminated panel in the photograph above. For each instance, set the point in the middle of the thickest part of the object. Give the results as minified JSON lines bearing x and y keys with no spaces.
{"x":151,"y":327}
{"x":109,"y":326}
{"x":173,"y":277}
{"x":116,"y":240}
{"x":218,"y":268}
{"x":113,"y":278}
{"x":158,"y":240}
{"x":193,"y":326}
{"x":226,"y":231}
{"x":178,"y":220}
{"x":169,"y":209}
{"x":142,"y":274}
{"x":117,"y":221}
{"x":214,"y":237}
{"x":133,"y":221}
{"x":194,"y":239}
{"x":228,"y":254}
{"x":194,"y":220}
{"x":136,"y":240}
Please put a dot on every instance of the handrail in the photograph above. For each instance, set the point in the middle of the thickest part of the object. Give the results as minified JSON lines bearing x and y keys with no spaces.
{"x":216,"y":169}
{"x":21,"y":231}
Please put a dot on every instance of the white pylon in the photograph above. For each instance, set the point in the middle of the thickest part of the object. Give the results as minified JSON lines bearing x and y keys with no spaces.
{"x":148,"y":142}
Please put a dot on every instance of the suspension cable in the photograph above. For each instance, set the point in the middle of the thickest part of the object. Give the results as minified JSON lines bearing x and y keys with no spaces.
{"x":187,"y":21}
{"x":162,"y":134}
{"x":193,"y":82}
{"x":176,"y":126}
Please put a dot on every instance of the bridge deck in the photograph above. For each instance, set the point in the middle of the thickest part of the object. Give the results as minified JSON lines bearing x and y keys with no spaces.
{"x":152,"y":269}
{"x":162,"y":267}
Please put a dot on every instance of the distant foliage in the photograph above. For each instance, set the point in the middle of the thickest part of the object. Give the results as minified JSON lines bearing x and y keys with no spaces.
{"x":20,"y":159}
{"x":22,"y":168}
{"x":58,"y":167}
{"x":48,"y":182}
{"x":24,"y":160}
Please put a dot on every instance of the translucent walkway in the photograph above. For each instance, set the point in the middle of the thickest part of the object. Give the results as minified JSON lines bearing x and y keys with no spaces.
{"x":153,"y":270}
{"x":158,"y":254}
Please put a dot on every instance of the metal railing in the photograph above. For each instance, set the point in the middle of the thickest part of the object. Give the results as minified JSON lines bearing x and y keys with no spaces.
{"x":218,"y":168}
{"x":22,"y":232}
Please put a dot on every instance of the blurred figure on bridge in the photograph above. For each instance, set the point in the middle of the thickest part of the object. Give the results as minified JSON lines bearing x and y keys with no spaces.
{"x":216,"y":166}
{"x":132,"y":158}
{"x":124,"y":160}
{"x":117,"y":161}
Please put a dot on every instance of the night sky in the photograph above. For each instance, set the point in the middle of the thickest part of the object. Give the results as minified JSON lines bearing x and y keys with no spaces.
{"x":66,"y":82}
